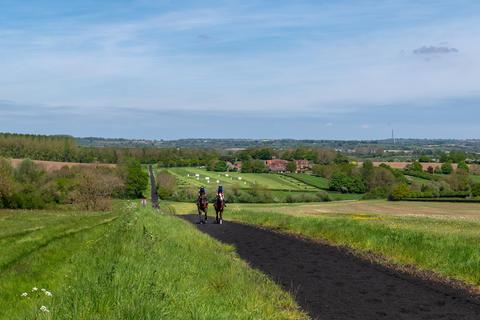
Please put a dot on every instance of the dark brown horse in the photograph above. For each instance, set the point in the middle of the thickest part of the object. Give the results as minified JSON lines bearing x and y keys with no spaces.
{"x":219,"y":206}
{"x":202,"y":206}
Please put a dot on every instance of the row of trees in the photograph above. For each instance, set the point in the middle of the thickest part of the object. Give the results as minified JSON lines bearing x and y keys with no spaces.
{"x":316,"y":155}
{"x":348,"y":178}
{"x":29,"y":186}
{"x":384,"y":181}
{"x":64,"y":148}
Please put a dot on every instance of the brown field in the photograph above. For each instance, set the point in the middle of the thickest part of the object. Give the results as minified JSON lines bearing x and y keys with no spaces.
{"x":54,"y":165}
{"x":464,"y":211}
{"x":403,"y":165}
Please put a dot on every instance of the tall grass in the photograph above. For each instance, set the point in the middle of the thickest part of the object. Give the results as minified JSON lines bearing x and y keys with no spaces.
{"x":143,"y":265}
{"x":449,"y":248}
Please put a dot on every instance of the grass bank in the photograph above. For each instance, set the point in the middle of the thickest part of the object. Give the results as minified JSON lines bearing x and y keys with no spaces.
{"x":132,"y":264}
{"x":447,"y":247}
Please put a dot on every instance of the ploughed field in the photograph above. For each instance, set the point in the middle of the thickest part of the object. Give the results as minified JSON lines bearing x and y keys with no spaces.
{"x":131,"y":263}
{"x":56,"y":165}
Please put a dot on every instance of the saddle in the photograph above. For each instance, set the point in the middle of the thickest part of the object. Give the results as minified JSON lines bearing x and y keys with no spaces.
{"x":202,"y":201}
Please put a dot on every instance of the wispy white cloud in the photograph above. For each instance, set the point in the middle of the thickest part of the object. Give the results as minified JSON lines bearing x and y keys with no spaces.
{"x":330,"y":59}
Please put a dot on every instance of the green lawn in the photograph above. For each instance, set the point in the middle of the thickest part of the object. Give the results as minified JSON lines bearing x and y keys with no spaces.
{"x":131,"y":263}
{"x":447,"y":245}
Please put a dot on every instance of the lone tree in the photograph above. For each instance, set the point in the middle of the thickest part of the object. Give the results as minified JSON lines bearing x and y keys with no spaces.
{"x":291,"y":167}
{"x":136,"y":179}
{"x":447,"y":168}
{"x":463,"y":166}
{"x":94,"y":188}
{"x":415,"y":166}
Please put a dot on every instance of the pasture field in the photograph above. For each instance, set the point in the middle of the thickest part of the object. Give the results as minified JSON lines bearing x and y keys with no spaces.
{"x":317,"y":182}
{"x":187,"y":176}
{"x":438,"y":237}
{"x":280,"y":185}
{"x":131,"y":263}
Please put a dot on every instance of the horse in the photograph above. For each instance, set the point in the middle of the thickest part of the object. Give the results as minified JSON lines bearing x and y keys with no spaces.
{"x":202,"y":206}
{"x":219,"y":206}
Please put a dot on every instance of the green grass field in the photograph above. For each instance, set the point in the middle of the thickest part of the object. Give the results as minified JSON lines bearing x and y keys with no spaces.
{"x":317,"y":182}
{"x":129,"y":264}
{"x":281,"y":185}
{"x":437,"y":237}
{"x":475,"y":178}
{"x":187,"y":176}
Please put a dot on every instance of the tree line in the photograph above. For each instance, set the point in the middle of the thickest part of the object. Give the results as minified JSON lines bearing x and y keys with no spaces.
{"x":64,"y":149}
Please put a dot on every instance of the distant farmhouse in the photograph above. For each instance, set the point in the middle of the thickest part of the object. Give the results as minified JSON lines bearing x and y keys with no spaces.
{"x":277,"y":165}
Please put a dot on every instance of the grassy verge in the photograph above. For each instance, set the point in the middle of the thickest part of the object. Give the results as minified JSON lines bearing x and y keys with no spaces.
{"x":447,"y":247}
{"x":142,"y":265}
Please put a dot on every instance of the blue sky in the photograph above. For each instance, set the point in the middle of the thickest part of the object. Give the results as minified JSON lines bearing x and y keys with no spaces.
{"x":241,"y":69}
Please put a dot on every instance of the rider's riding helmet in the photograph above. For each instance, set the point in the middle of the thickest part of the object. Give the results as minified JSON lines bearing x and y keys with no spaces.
{"x":220,"y":189}
{"x":202,"y":190}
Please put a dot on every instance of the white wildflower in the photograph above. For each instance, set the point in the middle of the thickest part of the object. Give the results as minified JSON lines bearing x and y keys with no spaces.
{"x":48,"y":293}
{"x":44,"y":309}
{"x":34,"y":289}
{"x":24,"y":294}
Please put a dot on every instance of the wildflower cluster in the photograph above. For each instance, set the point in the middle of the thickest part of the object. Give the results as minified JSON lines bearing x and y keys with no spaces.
{"x":36,"y":293}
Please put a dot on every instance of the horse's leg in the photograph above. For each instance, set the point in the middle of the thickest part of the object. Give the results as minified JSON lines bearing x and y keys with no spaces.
{"x":199,"y":215}
{"x":206,"y":210}
{"x":216,"y":215}
{"x":221,"y":216}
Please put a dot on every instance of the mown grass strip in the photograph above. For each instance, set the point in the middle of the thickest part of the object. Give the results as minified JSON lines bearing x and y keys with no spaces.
{"x":451,"y":254}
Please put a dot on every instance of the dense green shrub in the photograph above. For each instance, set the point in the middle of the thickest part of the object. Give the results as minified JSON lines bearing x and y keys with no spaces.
{"x":254,"y":166}
{"x":347,"y":184}
{"x":166,"y":184}
{"x":135,"y":178}
{"x":399,"y":192}
{"x":447,"y":168}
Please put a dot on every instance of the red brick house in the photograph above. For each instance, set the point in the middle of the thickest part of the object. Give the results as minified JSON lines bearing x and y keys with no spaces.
{"x":276,"y":165}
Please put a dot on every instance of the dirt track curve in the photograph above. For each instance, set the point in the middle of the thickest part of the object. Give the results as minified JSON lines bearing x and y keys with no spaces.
{"x":330,"y":283}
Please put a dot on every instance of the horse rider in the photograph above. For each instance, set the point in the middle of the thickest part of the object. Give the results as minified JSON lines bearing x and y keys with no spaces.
{"x":221,"y":195}
{"x":202,"y":193}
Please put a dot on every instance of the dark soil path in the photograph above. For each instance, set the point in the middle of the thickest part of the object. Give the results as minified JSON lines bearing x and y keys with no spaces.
{"x":330,"y":283}
{"x":153,"y":188}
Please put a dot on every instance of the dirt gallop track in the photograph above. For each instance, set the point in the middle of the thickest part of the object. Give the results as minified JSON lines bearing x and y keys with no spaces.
{"x":153,"y":187}
{"x":330,"y":283}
